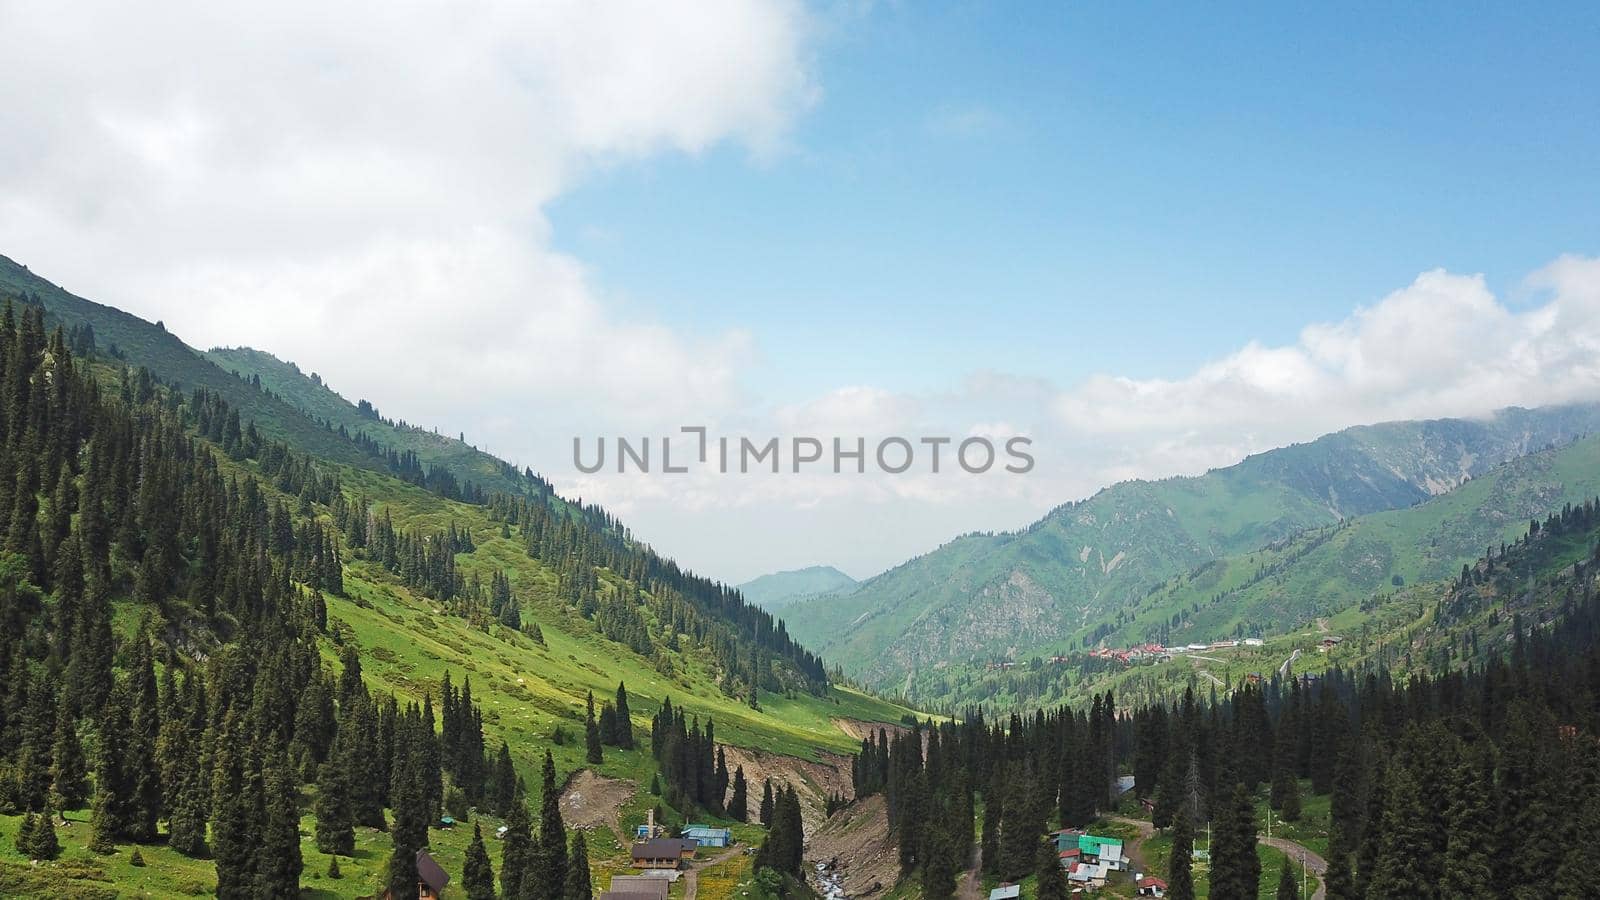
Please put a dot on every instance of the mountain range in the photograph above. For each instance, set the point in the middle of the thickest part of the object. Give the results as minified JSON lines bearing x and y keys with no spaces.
{"x":1088,"y":570}
{"x":779,"y":589}
{"x":413,"y":562}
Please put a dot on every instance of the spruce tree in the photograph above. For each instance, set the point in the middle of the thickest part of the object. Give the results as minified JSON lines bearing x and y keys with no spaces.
{"x":69,"y":776}
{"x":24,"y":839}
{"x":186,"y":821}
{"x":235,"y":826}
{"x":517,"y":860}
{"x":44,"y":844}
{"x":402,"y":871}
{"x":505,"y":782}
{"x":1404,"y":862}
{"x":1235,"y":867}
{"x":591,"y":732}
{"x":624,"y":718}
{"x":938,"y":861}
{"x":766,"y":803}
{"x":477,"y":874}
{"x":102,"y":823}
{"x":1290,"y":810}
{"x":578,"y":886}
{"x":738,"y":805}
{"x":37,"y":725}
{"x":1180,"y":877}
{"x":1051,"y":883}
{"x":1469,"y":833}
{"x":143,"y":809}
{"x":1288,"y":888}
{"x":335,"y":824}
{"x":550,"y":872}
{"x":279,"y":864}
{"x":1339,"y":880}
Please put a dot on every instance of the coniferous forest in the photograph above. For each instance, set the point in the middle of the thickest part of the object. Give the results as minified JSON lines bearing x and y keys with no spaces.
{"x":165,"y":578}
{"x":1479,"y":782}
{"x":799,"y":450}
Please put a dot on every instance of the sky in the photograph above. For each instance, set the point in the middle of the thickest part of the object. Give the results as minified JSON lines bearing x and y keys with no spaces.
{"x":1152,"y":240}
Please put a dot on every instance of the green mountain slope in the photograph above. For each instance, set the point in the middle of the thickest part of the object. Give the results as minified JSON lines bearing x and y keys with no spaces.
{"x":1327,"y":571}
{"x":317,"y":400}
{"x":221,"y":551}
{"x":283,"y":403}
{"x":779,"y":589}
{"x":1376,"y":579}
{"x":1061,"y":580}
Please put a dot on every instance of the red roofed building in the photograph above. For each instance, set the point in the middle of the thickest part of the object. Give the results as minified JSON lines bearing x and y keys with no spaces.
{"x":1152,"y":886}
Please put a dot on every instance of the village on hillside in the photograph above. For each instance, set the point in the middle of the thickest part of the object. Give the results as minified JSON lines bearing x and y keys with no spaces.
{"x":1157,"y":653}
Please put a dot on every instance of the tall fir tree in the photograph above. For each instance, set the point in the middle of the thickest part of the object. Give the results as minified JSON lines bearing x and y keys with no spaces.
{"x":336,"y":834}
{"x":279,"y":863}
{"x":519,"y":854}
{"x":477,"y":873}
{"x":1288,"y":888}
{"x":1180,"y":865}
{"x":1235,"y":867}
{"x":624,"y":718}
{"x":1051,"y":881}
{"x":578,"y":884}
{"x":738,"y":804}
{"x":550,"y":871}
{"x":591,"y":733}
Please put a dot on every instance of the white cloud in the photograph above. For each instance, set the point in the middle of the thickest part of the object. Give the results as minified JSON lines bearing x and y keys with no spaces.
{"x":1442,"y":346}
{"x":360,"y":186}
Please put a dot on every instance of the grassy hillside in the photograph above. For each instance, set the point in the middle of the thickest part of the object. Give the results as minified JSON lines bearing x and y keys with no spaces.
{"x":1065,"y":579}
{"x":1342,"y":581}
{"x":528,"y":691}
{"x":530,"y":682}
{"x":141,"y":343}
{"x":1333,"y":569}
{"x":779,"y":589}
{"x":317,"y":400}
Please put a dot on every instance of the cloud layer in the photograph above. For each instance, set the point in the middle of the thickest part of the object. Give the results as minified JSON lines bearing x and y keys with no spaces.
{"x":360,"y":186}
{"x":1442,"y":346}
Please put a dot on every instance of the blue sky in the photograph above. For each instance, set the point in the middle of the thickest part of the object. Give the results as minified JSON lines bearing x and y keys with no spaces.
{"x":1149,"y":189}
{"x":1154,"y":238}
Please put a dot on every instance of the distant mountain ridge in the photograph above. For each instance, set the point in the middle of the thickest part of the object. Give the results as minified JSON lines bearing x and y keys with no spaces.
{"x":1058,"y":582}
{"x":283,"y":402}
{"x":776,"y":590}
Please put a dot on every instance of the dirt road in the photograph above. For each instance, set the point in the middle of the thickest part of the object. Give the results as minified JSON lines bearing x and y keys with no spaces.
{"x":1146,"y":830}
{"x":691,"y":878}
{"x":971,"y":886}
{"x":1315,"y":864}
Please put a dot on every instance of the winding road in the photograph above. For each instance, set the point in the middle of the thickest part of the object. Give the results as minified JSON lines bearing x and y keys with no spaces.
{"x":1315,"y":864}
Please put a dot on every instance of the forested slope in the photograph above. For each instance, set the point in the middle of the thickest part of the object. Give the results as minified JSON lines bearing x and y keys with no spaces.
{"x":236,"y":656}
{"x":1087,"y":568}
{"x":1473,"y":772}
